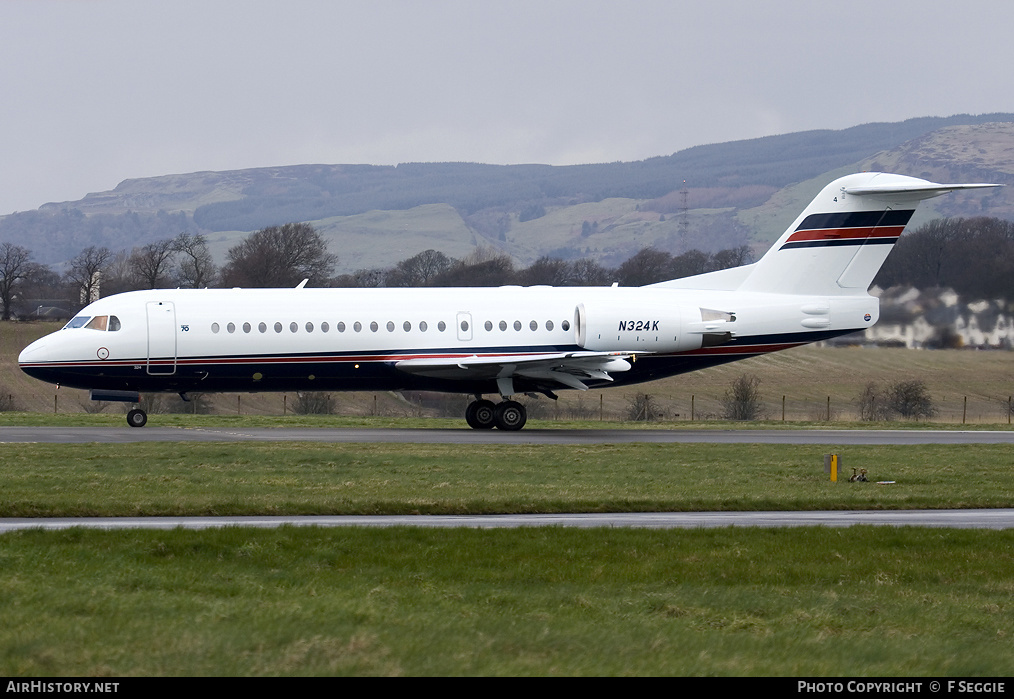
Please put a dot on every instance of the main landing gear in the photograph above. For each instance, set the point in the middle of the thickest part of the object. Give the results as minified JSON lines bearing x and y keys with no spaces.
{"x":485,"y":415}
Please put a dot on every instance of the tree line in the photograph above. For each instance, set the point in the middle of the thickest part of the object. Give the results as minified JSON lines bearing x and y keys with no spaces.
{"x":974,"y":256}
{"x":283,"y":256}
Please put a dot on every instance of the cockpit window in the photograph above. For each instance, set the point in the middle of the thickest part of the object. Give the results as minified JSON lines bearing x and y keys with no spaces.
{"x":103,"y":323}
{"x":78,"y":322}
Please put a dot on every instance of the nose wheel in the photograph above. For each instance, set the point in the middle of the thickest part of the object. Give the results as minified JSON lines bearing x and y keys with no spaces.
{"x":485,"y":415}
{"x":137,"y":418}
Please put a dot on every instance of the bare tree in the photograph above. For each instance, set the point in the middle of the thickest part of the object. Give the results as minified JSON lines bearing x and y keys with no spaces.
{"x":419,"y":270}
{"x":481,"y":267}
{"x":910,"y":399}
{"x":197,"y":269}
{"x":280,"y":256}
{"x":907,"y":399}
{"x":150,"y":263}
{"x":645,"y":267}
{"x":873,"y":404}
{"x":86,"y":272}
{"x":742,"y":400}
{"x":15,"y":264}
{"x":314,"y":403}
{"x":547,"y":270}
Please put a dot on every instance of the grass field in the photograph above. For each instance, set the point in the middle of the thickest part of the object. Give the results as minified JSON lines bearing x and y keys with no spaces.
{"x":856,"y":602}
{"x":546,"y":601}
{"x":861,"y":602}
{"x":314,"y":478}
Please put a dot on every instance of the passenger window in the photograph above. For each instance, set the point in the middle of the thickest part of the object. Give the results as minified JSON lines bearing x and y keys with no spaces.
{"x":488,"y":325}
{"x":422,"y":326}
{"x":278,"y":327}
{"x":263,"y":327}
{"x":441,"y":326}
{"x":549,"y":325}
{"x":533,"y":325}
{"x":517,"y":325}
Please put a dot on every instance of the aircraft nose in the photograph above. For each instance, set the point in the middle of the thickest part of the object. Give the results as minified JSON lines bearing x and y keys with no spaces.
{"x":35,"y":352}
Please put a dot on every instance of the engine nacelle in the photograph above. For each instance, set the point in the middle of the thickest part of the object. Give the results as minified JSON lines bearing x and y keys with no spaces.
{"x":648,"y":327}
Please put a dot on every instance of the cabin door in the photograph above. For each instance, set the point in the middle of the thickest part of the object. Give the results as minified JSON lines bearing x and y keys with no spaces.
{"x":161,"y":337}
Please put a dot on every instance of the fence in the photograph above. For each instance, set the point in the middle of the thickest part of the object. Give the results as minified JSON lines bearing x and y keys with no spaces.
{"x":638,"y":406}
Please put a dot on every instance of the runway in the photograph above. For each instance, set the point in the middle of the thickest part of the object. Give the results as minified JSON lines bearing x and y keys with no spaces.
{"x":122,"y":435}
{"x":955,"y":519}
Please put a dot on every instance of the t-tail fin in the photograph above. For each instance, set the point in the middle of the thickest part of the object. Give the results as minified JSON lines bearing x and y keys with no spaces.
{"x":839,"y":242}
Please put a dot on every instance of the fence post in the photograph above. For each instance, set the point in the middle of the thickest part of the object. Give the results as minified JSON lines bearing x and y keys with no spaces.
{"x":964,"y":410}
{"x":829,"y":408}
{"x":691,"y":407}
{"x":783,"y":408}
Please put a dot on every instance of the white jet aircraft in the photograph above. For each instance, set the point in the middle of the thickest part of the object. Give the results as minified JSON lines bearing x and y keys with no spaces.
{"x":811,"y":285}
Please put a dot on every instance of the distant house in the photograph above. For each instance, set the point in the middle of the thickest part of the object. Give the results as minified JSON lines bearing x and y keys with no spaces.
{"x":937,"y":318}
{"x":43,"y":309}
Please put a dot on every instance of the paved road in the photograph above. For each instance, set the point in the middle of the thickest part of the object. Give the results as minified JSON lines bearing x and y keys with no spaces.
{"x":78,"y":435}
{"x":957,"y":519}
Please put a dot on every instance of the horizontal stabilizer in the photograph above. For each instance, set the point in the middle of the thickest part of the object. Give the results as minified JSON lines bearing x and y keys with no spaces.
{"x":911,"y":191}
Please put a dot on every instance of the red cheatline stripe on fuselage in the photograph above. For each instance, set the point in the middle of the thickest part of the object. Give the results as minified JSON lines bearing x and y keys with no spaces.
{"x":283,"y":359}
{"x":845,"y":233}
{"x":742,"y":349}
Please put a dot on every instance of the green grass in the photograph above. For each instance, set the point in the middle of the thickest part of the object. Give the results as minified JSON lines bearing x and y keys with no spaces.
{"x":799,"y":602}
{"x":862,"y":601}
{"x":321,"y":478}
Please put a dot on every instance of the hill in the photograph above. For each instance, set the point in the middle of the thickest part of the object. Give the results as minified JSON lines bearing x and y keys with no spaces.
{"x":735,"y":193}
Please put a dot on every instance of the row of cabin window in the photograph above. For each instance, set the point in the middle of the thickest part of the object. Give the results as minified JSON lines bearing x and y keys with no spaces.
{"x":374,"y":327}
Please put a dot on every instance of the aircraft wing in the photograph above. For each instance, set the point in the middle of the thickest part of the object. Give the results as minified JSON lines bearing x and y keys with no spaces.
{"x":570,"y":369}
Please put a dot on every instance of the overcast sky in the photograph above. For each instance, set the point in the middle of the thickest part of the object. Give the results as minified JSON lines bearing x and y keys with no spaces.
{"x":98,"y":91}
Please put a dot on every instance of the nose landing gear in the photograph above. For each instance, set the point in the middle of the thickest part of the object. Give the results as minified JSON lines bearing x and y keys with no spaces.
{"x":137,"y":418}
{"x":485,"y":415}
